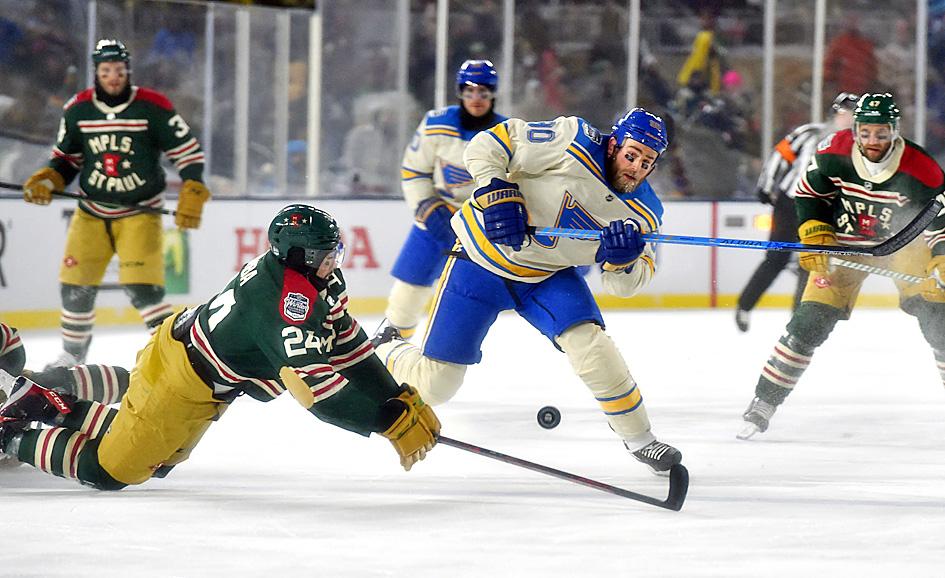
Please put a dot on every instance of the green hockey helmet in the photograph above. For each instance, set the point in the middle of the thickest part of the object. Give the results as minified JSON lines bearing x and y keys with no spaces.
{"x":109,"y":50}
{"x":877,"y":108}
{"x":306,"y":229}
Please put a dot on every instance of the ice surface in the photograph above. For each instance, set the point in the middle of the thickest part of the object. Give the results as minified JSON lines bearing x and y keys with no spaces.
{"x":849,"y":480}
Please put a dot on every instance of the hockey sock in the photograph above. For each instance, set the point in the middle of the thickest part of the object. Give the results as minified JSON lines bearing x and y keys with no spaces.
{"x":89,"y":418}
{"x":783,"y":369}
{"x":77,"y":318}
{"x":103,"y":383}
{"x":149,"y":301}
{"x":65,"y":453}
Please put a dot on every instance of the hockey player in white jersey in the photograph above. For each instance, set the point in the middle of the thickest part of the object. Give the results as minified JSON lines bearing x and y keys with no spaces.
{"x":561,"y":173}
{"x":435,"y":184}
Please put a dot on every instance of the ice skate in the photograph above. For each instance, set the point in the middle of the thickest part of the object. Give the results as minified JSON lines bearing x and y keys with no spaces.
{"x":385,"y":334}
{"x":742,"y":320}
{"x":756,"y":418}
{"x":659,"y":457}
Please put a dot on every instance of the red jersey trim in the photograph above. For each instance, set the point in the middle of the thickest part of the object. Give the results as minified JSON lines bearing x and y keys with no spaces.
{"x":921,"y":167}
{"x":84,"y":96}
{"x":841,"y":143}
{"x":154,"y":97}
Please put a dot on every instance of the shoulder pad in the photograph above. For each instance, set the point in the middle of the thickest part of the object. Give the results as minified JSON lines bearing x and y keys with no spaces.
{"x":154,"y":97}
{"x":839,"y":143}
{"x":919,"y":165}
{"x":84,"y":96}
{"x":444,"y":116}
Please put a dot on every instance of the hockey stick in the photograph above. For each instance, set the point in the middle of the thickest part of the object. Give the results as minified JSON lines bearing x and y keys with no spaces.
{"x":887,"y":247}
{"x":81,"y":197}
{"x":877,"y":270}
{"x":678,"y":476}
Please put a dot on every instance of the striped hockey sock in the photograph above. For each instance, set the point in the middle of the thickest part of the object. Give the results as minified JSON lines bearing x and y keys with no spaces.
{"x":783,"y":369}
{"x":77,"y":331}
{"x":154,"y":315}
{"x":103,"y":383}
{"x":89,"y":418}
{"x":56,"y":450}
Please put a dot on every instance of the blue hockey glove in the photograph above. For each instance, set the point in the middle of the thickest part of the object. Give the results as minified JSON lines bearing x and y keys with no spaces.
{"x":435,"y":216}
{"x":503,"y":210}
{"x":620,"y":246}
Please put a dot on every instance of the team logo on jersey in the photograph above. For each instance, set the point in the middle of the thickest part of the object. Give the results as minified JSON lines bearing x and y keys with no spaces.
{"x":592,"y":133}
{"x":866,"y":225}
{"x":455,"y":176}
{"x":110,"y":163}
{"x":295,"y":306}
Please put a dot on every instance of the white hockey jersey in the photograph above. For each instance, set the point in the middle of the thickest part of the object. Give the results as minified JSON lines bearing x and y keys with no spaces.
{"x":433,"y":162}
{"x":559,"y":167}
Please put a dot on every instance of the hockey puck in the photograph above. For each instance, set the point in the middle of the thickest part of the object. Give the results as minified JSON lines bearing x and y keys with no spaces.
{"x":549,"y":417}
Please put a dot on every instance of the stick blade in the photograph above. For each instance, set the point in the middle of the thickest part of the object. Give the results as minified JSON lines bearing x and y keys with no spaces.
{"x":678,"y":487}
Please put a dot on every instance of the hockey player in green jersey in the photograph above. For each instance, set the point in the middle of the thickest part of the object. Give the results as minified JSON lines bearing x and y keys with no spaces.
{"x":281,"y":323}
{"x":862,"y":186}
{"x":112,"y":136}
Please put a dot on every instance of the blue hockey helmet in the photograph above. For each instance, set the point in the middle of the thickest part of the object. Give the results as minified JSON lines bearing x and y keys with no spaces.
{"x":477,"y":72}
{"x":642,"y":126}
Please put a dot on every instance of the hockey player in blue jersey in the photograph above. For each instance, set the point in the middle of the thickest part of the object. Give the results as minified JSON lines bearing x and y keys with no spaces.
{"x":560,"y":173}
{"x":435,"y":184}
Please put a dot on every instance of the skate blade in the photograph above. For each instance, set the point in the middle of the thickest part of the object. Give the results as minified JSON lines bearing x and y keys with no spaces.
{"x":749,"y":430}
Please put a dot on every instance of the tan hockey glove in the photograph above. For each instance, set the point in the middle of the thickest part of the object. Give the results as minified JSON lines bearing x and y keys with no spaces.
{"x":813,"y":232}
{"x":193,"y":194}
{"x":933,"y":289}
{"x":414,"y":431}
{"x":39,"y":188}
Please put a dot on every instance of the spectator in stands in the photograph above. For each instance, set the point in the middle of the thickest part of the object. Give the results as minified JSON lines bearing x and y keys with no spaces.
{"x":897,"y":61}
{"x":850,"y":61}
{"x":702,"y":71}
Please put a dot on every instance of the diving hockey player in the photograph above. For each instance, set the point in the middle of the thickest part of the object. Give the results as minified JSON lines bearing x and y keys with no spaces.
{"x":112,"y":137}
{"x":435,"y":184}
{"x":560,"y":173}
{"x":861,"y":187}
{"x":281,"y":323}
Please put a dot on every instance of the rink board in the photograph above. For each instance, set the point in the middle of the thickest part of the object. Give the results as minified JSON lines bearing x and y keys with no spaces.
{"x":234,"y":231}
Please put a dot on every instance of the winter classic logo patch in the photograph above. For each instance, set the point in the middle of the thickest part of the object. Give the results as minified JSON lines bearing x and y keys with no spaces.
{"x":295,"y":306}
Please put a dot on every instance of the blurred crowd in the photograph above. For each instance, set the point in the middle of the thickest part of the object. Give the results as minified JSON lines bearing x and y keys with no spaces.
{"x":700,"y":66}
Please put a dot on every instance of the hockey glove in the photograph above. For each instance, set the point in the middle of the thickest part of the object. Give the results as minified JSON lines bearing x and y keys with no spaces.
{"x":435,"y":215}
{"x":39,"y":188}
{"x":503,"y":211}
{"x":193,"y":194}
{"x":413,"y":428}
{"x":620,"y":246}
{"x":933,"y":289}
{"x":813,"y":232}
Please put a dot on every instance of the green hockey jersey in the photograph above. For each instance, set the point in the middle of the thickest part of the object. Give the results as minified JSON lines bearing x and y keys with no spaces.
{"x":268,"y":317}
{"x":116,"y":150}
{"x":866,"y":209}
